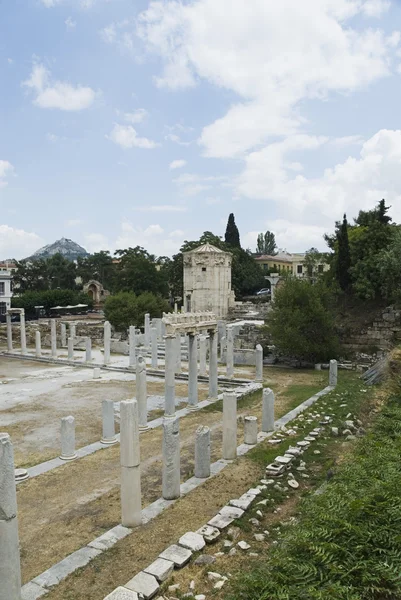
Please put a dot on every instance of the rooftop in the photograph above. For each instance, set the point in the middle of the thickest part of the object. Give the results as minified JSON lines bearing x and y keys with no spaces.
{"x":207,"y":248}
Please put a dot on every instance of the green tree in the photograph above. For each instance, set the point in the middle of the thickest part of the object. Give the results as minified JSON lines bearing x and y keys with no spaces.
{"x":48,"y":299}
{"x":266,"y":244}
{"x":301,"y":322}
{"x":137,"y":271}
{"x":98,"y":266}
{"x":125,"y":309}
{"x":344,"y":258}
{"x":389,"y":263}
{"x":61,"y":272}
{"x":232,"y":234}
{"x":43,"y":274}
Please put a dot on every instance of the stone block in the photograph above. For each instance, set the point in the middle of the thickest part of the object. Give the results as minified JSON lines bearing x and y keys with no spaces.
{"x":160,"y":568}
{"x":121,"y":593}
{"x":192,"y":541}
{"x":243,"y":502}
{"x":231,"y":511}
{"x":221,"y":521}
{"x":144,"y":584}
{"x":176,"y":554}
{"x":210,"y":534}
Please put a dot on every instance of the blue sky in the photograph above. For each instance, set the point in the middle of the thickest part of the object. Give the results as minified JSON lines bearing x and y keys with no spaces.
{"x":126,"y":123}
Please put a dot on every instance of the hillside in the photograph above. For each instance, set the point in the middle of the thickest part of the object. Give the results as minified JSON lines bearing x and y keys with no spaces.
{"x":66,"y":247}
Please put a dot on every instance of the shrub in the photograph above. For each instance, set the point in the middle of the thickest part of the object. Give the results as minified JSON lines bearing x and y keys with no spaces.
{"x":49,"y":299}
{"x":125,"y":309}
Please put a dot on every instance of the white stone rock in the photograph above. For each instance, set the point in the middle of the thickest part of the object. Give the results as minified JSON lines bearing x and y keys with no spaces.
{"x":213,"y":576}
{"x":122,"y":593}
{"x":259,"y":537}
{"x":231,"y":511}
{"x":243,"y":545}
{"x":303,"y":444}
{"x":293,"y":483}
{"x":143,"y":584}
{"x":210,"y":534}
{"x":176,"y":554}
{"x":219,"y":584}
{"x":200,"y":597}
{"x":259,"y":513}
{"x":160,"y":568}
{"x":221,"y":521}
{"x":192,"y":541}
{"x":254,"y":492}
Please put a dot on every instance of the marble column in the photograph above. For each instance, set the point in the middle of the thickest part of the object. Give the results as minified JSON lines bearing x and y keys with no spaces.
{"x":153,"y":339}
{"x":141,"y":393}
{"x":88,"y":350}
{"x":202,"y":452}
{"x":63,"y":335}
{"x":230,"y":353}
{"x":147,"y":330}
{"x":131,"y":501}
{"x":223,"y":342}
{"x":202,"y":355}
{"x":38,"y":345}
{"x":23,"y":333}
{"x":68,"y":438}
{"x":10,"y":569}
{"x":213,"y":372}
{"x":109,"y":431}
{"x":171,"y":459}
{"x":106,"y":343}
{"x":333,"y":373}
{"x":268,"y":410}
{"x":229,"y":425}
{"x":178,"y":366}
{"x":250,"y":431}
{"x":169,"y":381}
{"x":259,"y":363}
{"x":9,"y":333}
{"x":175,"y":307}
{"x":53,"y":337}
{"x":70,"y":348}
{"x":132,"y":346}
{"x":192,"y":371}
{"x":73,"y":331}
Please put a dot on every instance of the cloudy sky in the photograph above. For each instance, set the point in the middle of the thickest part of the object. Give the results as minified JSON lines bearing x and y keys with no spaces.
{"x":129,"y":122}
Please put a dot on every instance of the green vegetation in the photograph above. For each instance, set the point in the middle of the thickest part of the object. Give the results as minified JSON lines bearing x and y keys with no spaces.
{"x":232,"y":234}
{"x":48,"y":299}
{"x":266,"y":244}
{"x":125,"y":309}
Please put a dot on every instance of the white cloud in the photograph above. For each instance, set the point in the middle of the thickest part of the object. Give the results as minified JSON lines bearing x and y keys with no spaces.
{"x":17,"y":243}
{"x":152,"y":238}
{"x":270,"y":54}
{"x":57,"y":94}
{"x":52,"y":137}
{"x":347,"y":140}
{"x":95,"y":242}
{"x":6,"y":169}
{"x":178,"y":164}
{"x":50,"y":3}
{"x":375,"y":8}
{"x":70,"y":24}
{"x":163,"y":208}
{"x":127,"y":137}
{"x":173,"y":137}
{"x":74,"y":222}
{"x":292,"y":236}
{"x":137,"y":116}
{"x":109,"y":33}
{"x":177,"y":233}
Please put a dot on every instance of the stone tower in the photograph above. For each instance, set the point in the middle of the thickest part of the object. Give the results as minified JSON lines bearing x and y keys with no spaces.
{"x":207,"y":280}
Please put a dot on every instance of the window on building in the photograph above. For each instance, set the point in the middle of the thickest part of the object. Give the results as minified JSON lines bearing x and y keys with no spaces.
{"x":299,"y":269}
{"x":203,"y":268}
{"x":275,"y":267}
{"x":265,"y":267}
{"x":3,"y":308}
{"x":2,"y":288}
{"x":320,"y":268}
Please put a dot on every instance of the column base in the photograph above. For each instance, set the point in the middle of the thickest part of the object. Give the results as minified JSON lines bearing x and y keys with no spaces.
{"x":143,"y":427}
{"x":258,"y":380}
{"x":71,"y":457}
{"x":108,"y":441}
{"x":192,"y":407}
{"x":21,"y":474}
{"x":169,"y":416}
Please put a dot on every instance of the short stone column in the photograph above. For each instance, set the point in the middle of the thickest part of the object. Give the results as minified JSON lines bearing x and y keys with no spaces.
{"x":222,"y":346}
{"x":175,"y":307}
{"x":109,"y":431}
{"x":106,"y":343}
{"x":73,"y":331}
{"x":268,"y":410}
{"x":202,"y":355}
{"x":53,"y":337}
{"x":23,"y":333}
{"x":229,"y":425}
{"x":132,"y":346}
{"x":250,"y":431}
{"x":63,"y":335}
{"x":178,"y":366}
{"x":153,"y":340}
{"x":202,"y":452}
{"x":38,"y":344}
{"x":9,"y":333}
{"x":131,"y":501}
{"x":70,"y":348}
{"x":88,"y":350}
{"x":68,"y":438}
{"x":213,"y":372}
{"x":147,"y":330}
{"x":230,"y":353}
{"x":169,"y":377}
{"x":192,"y":371}
{"x":333,"y":373}
{"x":259,"y":363}
{"x":141,"y":393}
{"x":10,"y":569}
{"x":171,"y":459}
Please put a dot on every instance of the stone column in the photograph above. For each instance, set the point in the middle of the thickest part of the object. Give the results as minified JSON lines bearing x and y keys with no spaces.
{"x":202,"y":452}
{"x":131,"y":502}
{"x":9,"y":333}
{"x":251,"y":431}
{"x":175,"y":307}
{"x":53,"y":337}
{"x":141,"y":393}
{"x":147,"y":330}
{"x":73,"y":331}
{"x":10,"y":569}
{"x":106,"y":343}
{"x":132,"y":346}
{"x":68,"y":438}
{"x":229,"y":425}
{"x":153,"y":339}
{"x":171,"y":459}
{"x":63,"y":335}
{"x":230,"y":353}
{"x":88,"y":350}
{"x":178,"y":366}
{"x":268,"y":410}
{"x":202,"y":355}
{"x":169,"y":377}
{"x":38,"y":345}
{"x":222,"y":346}
{"x":192,"y":371}
{"x":333,"y":373}
{"x":109,"y":431}
{"x":70,"y":348}
{"x":259,"y":363}
{"x":213,"y":373}
{"x":23,"y":334}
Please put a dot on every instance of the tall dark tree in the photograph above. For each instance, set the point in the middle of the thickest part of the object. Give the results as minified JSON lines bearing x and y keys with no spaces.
{"x":232,"y":234}
{"x":344,"y":256}
{"x":266,"y":244}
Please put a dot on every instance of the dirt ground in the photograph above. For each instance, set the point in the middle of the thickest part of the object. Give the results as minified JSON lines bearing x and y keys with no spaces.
{"x":81,"y":499}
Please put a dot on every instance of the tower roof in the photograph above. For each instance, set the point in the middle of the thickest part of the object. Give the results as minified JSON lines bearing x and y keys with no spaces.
{"x":207,"y":248}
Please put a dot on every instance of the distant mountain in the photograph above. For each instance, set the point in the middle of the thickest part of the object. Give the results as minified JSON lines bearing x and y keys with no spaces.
{"x":69,"y":249}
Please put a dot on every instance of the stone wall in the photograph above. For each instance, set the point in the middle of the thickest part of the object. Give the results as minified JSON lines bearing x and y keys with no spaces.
{"x":382,"y":335}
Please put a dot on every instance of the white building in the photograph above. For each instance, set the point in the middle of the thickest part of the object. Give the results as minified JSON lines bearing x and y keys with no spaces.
{"x":5,"y":289}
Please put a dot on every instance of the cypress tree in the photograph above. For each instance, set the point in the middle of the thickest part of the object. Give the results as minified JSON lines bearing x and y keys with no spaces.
{"x":344,"y":256}
{"x":232,"y":234}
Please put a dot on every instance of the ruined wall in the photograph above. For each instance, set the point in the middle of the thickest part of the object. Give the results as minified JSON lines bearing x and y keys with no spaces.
{"x":382,"y":335}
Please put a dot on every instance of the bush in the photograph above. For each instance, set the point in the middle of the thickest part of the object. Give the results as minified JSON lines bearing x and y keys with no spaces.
{"x":125,"y":309}
{"x":301,"y":323}
{"x":49,"y":299}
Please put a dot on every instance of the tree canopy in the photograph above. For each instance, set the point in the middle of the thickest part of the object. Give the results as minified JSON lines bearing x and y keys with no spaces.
{"x":232,"y":237}
{"x":126,"y":308}
{"x":266,"y":244}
